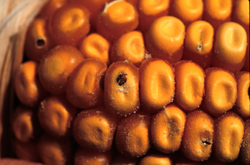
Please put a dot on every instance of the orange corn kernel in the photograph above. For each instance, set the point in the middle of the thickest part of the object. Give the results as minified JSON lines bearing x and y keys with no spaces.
{"x":241,"y":13}
{"x":88,"y":157}
{"x":149,"y":10}
{"x":117,"y":18}
{"x":51,"y":7}
{"x":26,"y":151}
{"x":55,"y":115}
{"x":94,"y":7}
{"x":230,"y":47}
{"x":199,"y":43}
{"x":38,"y":41}
{"x":94,"y":129}
{"x":121,"y":88}
{"x":187,"y":10}
{"x":130,"y":47}
{"x":83,"y":87}
{"x":157,"y":84}
{"x":56,"y":66}
{"x":217,"y":12}
{"x":69,"y":24}
{"x":190,"y":79}
{"x":165,"y":37}
{"x":242,"y":105}
{"x":198,"y":136}
{"x":157,"y":159}
{"x":24,"y":125}
{"x":220,"y":91}
{"x":245,"y":148}
{"x":95,"y":46}
{"x":228,"y":134}
{"x":27,"y":86}
{"x":55,"y":151}
{"x":167,"y":127}
{"x":132,"y":135}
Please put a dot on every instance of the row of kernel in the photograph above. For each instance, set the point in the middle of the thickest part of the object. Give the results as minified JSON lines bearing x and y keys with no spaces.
{"x":197,"y":135}
{"x":123,"y":88}
{"x":164,"y":38}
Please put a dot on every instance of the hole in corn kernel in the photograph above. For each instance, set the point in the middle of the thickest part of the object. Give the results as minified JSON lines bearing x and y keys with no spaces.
{"x":205,"y":137}
{"x":121,"y":79}
{"x":199,"y":47}
{"x":40,"y":43}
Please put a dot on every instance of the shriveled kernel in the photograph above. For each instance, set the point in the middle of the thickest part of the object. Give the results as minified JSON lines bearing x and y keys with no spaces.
{"x":228,"y":134}
{"x":198,"y":136}
{"x":167,"y":127}
{"x":157,"y":84}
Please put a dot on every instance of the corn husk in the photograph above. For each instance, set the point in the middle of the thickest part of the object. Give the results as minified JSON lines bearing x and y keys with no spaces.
{"x":15,"y":17}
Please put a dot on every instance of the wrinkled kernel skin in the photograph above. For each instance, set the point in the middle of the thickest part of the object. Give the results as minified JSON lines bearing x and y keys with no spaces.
{"x":24,"y":124}
{"x":83,"y":88}
{"x":190,"y":79}
{"x":157,"y":84}
{"x":130,"y":47}
{"x":220,"y":91}
{"x":198,"y":136}
{"x":27,"y":86}
{"x":56,"y":116}
{"x":55,"y":151}
{"x":167,"y":127}
{"x":228,"y":135}
{"x":121,"y":99}
{"x":245,"y":146}
{"x":94,"y":129}
{"x":95,"y":46}
{"x":69,"y":24}
{"x":132,"y":135}
{"x":56,"y":66}
{"x":85,"y":157}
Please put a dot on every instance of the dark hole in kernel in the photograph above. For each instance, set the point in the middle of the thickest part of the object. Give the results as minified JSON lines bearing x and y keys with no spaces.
{"x":40,"y":42}
{"x":121,"y":79}
{"x":206,"y":142}
{"x":205,"y":137}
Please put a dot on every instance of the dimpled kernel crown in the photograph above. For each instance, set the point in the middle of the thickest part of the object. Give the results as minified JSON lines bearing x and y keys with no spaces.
{"x":135,"y":82}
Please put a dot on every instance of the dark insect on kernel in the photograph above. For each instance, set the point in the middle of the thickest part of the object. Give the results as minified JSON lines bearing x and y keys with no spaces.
{"x":121,"y":79}
{"x":206,"y":142}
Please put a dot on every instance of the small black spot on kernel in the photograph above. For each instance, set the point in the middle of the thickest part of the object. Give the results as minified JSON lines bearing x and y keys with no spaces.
{"x":205,"y":137}
{"x":121,"y":79}
{"x":206,"y":142}
{"x":40,"y":42}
